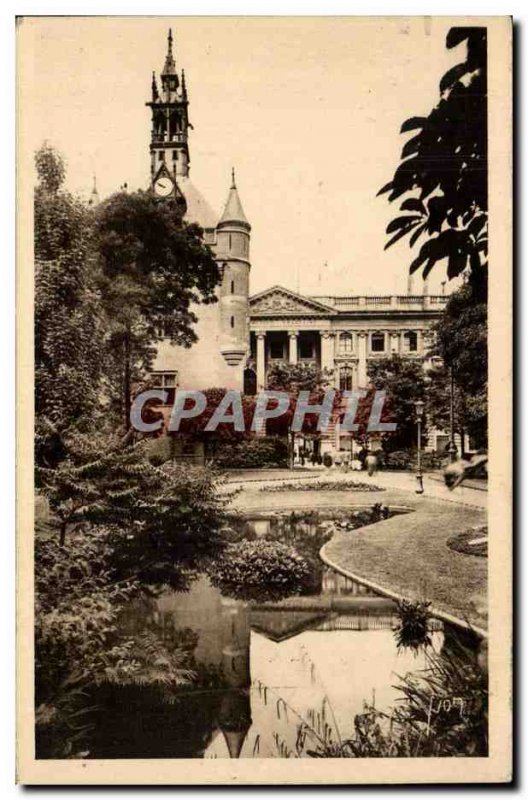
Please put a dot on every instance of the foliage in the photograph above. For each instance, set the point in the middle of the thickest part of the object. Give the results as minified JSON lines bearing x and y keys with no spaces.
{"x":264,"y":452}
{"x":321,"y":486}
{"x":260,"y":569}
{"x":294,"y":378}
{"x":77,"y":603}
{"x":195,"y":426}
{"x":327,"y":460}
{"x":152,"y":267}
{"x":403,"y":381}
{"x":442,"y":711}
{"x":448,"y":204}
{"x":407,"y":459}
{"x":68,"y":324}
{"x":80,"y":640}
{"x":462,"y":342}
{"x":412,"y":630}
{"x":162,"y":519}
{"x":297,"y":377}
{"x":473,"y":542}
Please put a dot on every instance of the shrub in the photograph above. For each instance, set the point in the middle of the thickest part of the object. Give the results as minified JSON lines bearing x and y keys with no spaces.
{"x":260,"y":570}
{"x":408,"y":459}
{"x":442,"y":711}
{"x":327,"y":460}
{"x":412,"y":630}
{"x":264,"y":452}
{"x":399,"y":459}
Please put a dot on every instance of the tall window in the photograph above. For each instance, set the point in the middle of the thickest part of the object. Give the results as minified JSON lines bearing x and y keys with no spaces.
{"x":345,"y":379}
{"x":276,"y":350}
{"x":306,"y":349}
{"x":410,"y":342}
{"x":232,"y":322}
{"x":377,"y":343}
{"x":232,"y":287}
{"x":345,"y":343}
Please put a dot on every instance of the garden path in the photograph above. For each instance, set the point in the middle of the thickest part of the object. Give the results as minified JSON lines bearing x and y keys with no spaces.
{"x":405,"y":556}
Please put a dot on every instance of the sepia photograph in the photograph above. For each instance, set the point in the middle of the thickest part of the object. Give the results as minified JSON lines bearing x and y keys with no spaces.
{"x":264,"y":388}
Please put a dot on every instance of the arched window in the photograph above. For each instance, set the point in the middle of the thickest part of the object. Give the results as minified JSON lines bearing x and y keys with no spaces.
{"x":250,"y":381}
{"x":232,"y":322}
{"x":232,"y":287}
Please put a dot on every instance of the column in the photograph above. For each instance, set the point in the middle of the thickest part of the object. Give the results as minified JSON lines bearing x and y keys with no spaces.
{"x":394,"y":342}
{"x":362,"y":360}
{"x":293,"y":346}
{"x":327,"y":350}
{"x":419,"y":342}
{"x":261,"y":360}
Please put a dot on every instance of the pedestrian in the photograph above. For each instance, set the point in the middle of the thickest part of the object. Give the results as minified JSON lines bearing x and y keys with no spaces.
{"x":371,"y":463}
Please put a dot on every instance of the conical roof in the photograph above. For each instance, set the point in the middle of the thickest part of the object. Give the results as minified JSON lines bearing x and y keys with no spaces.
{"x":233,"y":211}
{"x":198,"y":209}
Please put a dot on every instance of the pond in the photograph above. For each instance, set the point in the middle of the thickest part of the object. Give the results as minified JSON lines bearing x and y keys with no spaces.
{"x":276,"y":679}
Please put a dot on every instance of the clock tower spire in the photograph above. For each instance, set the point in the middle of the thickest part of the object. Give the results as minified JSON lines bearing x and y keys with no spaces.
{"x":169,"y":148}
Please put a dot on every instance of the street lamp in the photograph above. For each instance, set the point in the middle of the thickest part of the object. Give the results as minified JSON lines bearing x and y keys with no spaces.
{"x":419,"y":408}
{"x":451,"y":447}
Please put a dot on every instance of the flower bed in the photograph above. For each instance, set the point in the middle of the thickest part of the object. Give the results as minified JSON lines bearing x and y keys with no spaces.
{"x":323,"y":486}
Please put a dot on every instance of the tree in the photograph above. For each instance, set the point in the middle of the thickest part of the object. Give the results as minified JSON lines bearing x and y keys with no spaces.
{"x":68,"y":324}
{"x":294,"y":378}
{"x":461,"y":341}
{"x":153,"y":268}
{"x":161,"y":520}
{"x":443,"y":172}
{"x":403,"y":381}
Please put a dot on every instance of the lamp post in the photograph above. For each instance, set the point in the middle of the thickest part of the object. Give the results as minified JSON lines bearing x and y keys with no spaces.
{"x":419,"y":408}
{"x":451,"y":447}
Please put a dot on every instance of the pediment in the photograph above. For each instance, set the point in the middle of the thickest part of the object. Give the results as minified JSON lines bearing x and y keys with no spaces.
{"x":278,"y":301}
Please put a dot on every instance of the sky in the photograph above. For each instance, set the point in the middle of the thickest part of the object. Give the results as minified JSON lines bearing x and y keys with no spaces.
{"x":307,"y":109}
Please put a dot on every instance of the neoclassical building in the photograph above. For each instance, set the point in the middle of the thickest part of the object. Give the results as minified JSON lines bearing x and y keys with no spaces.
{"x":241,"y":335}
{"x":339,"y":333}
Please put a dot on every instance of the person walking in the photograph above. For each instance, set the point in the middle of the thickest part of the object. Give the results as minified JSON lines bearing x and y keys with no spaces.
{"x":371,"y":462}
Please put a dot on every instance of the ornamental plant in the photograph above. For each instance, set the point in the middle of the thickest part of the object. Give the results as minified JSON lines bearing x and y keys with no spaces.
{"x":260,"y":570}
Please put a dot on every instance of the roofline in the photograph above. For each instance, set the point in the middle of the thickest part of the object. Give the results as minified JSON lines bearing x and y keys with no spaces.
{"x":293,"y":294}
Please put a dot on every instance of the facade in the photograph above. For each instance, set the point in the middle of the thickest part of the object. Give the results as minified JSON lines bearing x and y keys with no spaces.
{"x":240,"y":336}
{"x":339,"y":334}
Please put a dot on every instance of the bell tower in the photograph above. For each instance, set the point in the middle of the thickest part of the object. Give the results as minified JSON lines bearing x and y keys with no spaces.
{"x":169,"y":147}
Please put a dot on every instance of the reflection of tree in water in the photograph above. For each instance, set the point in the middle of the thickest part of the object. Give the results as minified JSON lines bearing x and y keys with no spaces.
{"x":147,"y":721}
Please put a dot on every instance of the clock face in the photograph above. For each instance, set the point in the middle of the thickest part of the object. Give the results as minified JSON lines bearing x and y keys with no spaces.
{"x":163,"y":186}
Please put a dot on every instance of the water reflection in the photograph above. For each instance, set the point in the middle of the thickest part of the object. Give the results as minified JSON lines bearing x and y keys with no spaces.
{"x":277,"y":678}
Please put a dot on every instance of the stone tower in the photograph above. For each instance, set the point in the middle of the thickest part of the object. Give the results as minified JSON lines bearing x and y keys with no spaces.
{"x":232,"y":251}
{"x":218,"y":358}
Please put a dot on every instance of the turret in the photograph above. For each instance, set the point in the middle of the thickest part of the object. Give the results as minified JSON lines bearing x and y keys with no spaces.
{"x":232,"y":252}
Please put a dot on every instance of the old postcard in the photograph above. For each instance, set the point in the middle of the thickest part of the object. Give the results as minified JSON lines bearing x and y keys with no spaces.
{"x":264,"y":389}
